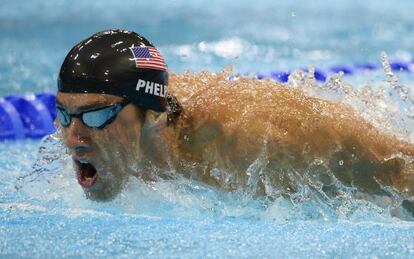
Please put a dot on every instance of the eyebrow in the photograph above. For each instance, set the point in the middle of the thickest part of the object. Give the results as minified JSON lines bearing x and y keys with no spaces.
{"x":88,"y":106}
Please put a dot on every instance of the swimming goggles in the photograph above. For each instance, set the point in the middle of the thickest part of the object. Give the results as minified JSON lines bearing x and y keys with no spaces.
{"x":94,"y":118}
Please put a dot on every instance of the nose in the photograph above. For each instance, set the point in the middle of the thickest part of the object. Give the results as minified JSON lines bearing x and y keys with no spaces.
{"x":77,"y":137}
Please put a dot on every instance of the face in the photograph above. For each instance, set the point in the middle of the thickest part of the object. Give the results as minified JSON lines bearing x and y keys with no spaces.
{"x":103,"y":158}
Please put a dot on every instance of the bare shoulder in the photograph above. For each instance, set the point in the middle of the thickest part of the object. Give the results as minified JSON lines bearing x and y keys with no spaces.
{"x":250,"y":112}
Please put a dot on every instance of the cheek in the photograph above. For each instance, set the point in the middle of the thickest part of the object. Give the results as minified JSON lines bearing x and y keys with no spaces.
{"x":116,"y":148}
{"x":125,"y":133}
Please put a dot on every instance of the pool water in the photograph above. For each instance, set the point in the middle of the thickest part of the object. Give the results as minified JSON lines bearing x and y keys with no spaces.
{"x":259,"y":36}
{"x":43,"y":210}
{"x":46,"y":215}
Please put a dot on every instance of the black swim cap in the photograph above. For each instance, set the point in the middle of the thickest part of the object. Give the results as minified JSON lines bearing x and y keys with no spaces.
{"x":117,"y":62}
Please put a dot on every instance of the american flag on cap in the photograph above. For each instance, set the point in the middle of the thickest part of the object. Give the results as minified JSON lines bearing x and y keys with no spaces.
{"x":148,"y":57}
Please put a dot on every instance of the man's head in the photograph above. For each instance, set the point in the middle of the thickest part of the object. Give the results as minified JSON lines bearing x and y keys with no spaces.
{"x":106,"y":84}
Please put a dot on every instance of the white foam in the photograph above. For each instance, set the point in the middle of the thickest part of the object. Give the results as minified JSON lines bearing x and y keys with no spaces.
{"x":22,"y":206}
{"x":227,"y":48}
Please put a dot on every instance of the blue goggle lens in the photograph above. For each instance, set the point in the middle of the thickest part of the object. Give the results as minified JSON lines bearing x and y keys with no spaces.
{"x":63,"y":117}
{"x":97,"y":118}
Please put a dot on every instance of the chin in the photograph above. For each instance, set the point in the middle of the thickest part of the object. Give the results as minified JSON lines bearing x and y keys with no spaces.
{"x":101,"y":196}
{"x":101,"y":192}
{"x":98,"y":184}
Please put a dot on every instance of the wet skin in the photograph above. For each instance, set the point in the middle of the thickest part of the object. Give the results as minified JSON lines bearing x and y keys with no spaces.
{"x":246,"y":124}
{"x":229,"y":129}
{"x":113,"y":150}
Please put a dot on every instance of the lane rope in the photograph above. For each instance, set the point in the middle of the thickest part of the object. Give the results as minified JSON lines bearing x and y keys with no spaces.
{"x":31,"y":116}
{"x":27,"y":116}
{"x":322,"y":74}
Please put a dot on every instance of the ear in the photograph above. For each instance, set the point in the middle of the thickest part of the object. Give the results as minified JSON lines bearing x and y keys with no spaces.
{"x":154,"y":122}
{"x":151,"y":139}
{"x":154,"y":119}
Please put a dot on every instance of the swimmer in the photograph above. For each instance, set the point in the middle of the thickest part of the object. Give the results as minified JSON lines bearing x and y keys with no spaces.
{"x":121,"y":115}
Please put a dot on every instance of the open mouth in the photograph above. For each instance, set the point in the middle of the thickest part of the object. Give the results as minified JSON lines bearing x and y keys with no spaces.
{"x":86,"y":173}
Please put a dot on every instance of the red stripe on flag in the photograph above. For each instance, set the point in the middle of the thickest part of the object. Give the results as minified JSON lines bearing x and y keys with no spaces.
{"x":151,"y":65}
{"x":150,"y":61}
{"x":155,"y":62}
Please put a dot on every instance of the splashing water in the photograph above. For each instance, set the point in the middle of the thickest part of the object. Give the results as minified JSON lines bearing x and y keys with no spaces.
{"x":316,"y":193}
{"x":42,"y":205}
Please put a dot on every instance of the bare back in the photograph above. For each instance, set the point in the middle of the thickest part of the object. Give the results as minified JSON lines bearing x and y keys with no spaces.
{"x":230,"y":124}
